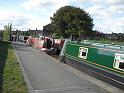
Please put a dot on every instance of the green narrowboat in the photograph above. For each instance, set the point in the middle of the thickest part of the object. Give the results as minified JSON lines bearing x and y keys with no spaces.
{"x":103,"y":61}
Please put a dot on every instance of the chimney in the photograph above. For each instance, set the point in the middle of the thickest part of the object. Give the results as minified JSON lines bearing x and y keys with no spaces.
{"x":36,"y":29}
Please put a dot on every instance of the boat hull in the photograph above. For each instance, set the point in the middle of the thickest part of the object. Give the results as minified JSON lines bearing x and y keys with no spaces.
{"x":106,"y":64}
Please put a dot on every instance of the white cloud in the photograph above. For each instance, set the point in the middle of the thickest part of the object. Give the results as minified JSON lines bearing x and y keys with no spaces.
{"x":45,"y":4}
{"x":111,"y":25}
{"x":115,"y":2}
{"x":99,"y":11}
{"x":118,"y":9}
{"x":104,"y":12}
{"x":31,"y":4}
{"x":82,"y":1}
{"x":117,"y":25}
{"x":108,"y":17}
{"x":89,"y":1}
{"x":96,"y":1}
{"x":45,"y":7}
{"x":20,"y":21}
{"x":94,"y":9}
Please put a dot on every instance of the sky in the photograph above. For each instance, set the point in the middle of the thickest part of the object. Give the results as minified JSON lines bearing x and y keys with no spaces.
{"x":108,"y":15}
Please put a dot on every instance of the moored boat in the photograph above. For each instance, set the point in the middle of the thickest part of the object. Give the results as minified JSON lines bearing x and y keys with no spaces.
{"x":103,"y":61}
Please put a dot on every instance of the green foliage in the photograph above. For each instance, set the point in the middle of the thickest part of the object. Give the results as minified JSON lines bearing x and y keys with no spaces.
{"x":27,"y":33}
{"x":69,"y":19}
{"x":7,"y":30}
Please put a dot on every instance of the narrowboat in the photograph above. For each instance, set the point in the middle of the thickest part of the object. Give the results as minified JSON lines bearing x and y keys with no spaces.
{"x":102,"y":61}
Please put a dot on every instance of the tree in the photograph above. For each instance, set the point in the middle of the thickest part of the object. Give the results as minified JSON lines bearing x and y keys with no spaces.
{"x":70,"y":20}
{"x":7,"y":30}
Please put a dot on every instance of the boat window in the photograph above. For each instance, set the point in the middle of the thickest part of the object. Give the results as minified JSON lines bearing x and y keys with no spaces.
{"x":119,"y":61}
{"x":121,"y":66}
{"x":83,"y":52}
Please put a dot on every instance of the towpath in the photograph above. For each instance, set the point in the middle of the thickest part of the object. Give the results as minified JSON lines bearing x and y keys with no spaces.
{"x":44,"y":74}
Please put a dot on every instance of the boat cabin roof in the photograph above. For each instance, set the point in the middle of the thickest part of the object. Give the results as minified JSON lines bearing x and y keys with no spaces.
{"x":101,"y":45}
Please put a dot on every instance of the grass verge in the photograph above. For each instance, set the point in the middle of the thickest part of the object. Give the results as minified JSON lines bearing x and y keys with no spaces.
{"x":11,"y":78}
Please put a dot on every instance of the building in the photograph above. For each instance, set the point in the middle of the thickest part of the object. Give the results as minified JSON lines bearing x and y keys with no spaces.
{"x":35,"y":32}
{"x":47,"y":30}
{"x":115,"y":36}
{"x":29,"y":32}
